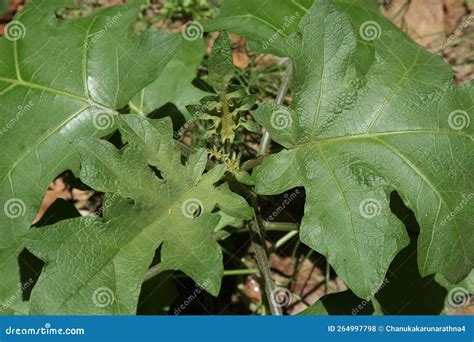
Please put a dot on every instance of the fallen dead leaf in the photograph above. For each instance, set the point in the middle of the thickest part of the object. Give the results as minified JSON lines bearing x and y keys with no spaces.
{"x":422,"y":20}
{"x":454,"y":11}
{"x":241,"y":59}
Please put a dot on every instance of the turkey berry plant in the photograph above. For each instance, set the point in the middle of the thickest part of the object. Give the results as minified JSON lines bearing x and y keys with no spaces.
{"x":370,"y":114}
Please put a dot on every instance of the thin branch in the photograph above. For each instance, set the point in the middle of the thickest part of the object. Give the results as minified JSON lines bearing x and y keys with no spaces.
{"x":288,"y":236}
{"x":241,"y":272}
{"x":327,"y":278}
{"x":282,"y":226}
{"x":252,"y":163}
{"x":257,"y":234}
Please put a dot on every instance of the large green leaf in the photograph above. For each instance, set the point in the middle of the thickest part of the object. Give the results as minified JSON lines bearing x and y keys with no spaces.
{"x":174,"y":85}
{"x":61,"y":80}
{"x":261,"y":21}
{"x":87,"y":257}
{"x":268,"y":24}
{"x":352,"y":140}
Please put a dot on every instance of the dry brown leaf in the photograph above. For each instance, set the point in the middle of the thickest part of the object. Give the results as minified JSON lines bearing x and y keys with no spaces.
{"x":263,"y":61}
{"x":241,"y":59}
{"x":454,"y":10}
{"x":422,"y":20}
{"x":467,"y":310}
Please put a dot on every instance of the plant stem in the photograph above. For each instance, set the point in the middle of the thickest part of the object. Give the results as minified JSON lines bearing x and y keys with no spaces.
{"x":265,"y":143}
{"x":257,"y":234}
{"x":285,"y":239}
{"x":282,"y":226}
{"x":250,"y":164}
{"x":227,"y":122}
{"x":328,"y":277}
{"x":241,"y":272}
{"x":273,"y":226}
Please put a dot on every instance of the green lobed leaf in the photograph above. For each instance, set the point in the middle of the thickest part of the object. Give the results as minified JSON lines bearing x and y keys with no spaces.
{"x":352,"y":140}
{"x":61,"y":80}
{"x":175,"y":83}
{"x":260,"y":21}
{"x":90,"y":257}
{"x":268,"y":24}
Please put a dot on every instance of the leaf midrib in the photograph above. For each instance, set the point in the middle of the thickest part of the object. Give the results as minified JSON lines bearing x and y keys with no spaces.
{"x":89,"y":104}
{"x":41,"y":141}
{"x":343,"y":197}
{"x":375,"y":135}
{"x":430,"y":185}
{"x":56,"y":91}
{"x":398,"y":86}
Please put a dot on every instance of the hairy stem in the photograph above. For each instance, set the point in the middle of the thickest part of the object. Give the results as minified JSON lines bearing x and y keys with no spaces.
{"x":227,"y":122}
